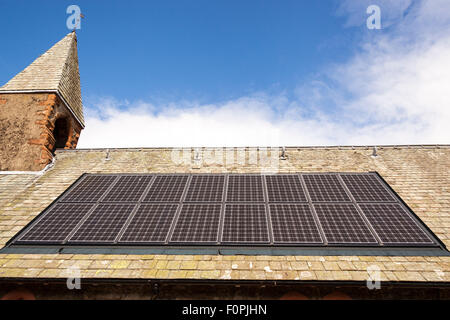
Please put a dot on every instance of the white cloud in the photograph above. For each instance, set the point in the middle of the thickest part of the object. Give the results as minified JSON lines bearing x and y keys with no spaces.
{"x":395,"y":90}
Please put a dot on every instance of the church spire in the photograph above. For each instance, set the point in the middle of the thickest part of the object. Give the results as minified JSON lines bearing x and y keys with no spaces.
{"x":41,"y":109}
{"x":54,"y":71}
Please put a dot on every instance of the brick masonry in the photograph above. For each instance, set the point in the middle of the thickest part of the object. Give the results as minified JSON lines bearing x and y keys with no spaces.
{"x":27,"y":123}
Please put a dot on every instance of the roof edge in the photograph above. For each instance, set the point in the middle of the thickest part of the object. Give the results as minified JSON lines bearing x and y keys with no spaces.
{"x":195,"y":281}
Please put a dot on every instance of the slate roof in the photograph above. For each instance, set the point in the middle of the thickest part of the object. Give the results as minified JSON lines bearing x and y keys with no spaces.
{"x":55,"y":70}
{"x":419,"y":174}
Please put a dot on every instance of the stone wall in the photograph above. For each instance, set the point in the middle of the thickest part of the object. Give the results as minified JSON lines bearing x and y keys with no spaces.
{"x":27,"y":122}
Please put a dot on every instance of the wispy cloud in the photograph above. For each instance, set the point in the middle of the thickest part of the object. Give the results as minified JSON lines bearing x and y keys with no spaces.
{"x":394,"y":90}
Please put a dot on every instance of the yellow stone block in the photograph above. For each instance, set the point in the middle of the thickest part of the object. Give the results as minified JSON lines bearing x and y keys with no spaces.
{"x":162,"y":274}
{"x":330,"y":266}
{"x":122,"y":273}
{"x":346,"y":265}
{"x":149,"y":264}
{"x":119,"y":264}
{"x":241,"y":265}
{"x":177,"y":274}
{"x":316,"y":265}
{"x":161,"y":264}
{"x":299,"y":265}
{"x":193,"y":274}
{"x":409,"y":276}
{"x":3,"y":261}
{"x":11,"y":272}
{"x":393,"y":266}
{"x":208,"y":265}
{"x":51,"y":273}
{"x":173,"y":264}
{"x":99,"y":264}
{"x":212,"y":274}
{"x":275,"y":265}
{"x":103,"y":273}
{"x":149,"y":274}
{"x":324,"y":275}
{"x":189,"y":265}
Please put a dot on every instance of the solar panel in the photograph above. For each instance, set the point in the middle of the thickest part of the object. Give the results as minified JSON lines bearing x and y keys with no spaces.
{"x":205,"y":188}
{"x":366,"y":188}
{"x":90,"y":189}
{"x":103,"y":224}
{"x":285,"y":188}
{"x":167,"y":188}
{"x":128,"y":188}
{"x":57,"y":223}
{"x":293,"y":224}
{"x":394,"y":225}
{"x":197,"y":223}
{"x":245,"y":188}
{"x":150,"y":224}
{"x":325,"y":188}
{"x":245,"y":223}
{"x":342,"y":224}
{"x":310,"y":209}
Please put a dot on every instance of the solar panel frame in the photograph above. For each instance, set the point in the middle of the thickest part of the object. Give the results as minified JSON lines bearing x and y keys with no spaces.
{"x":266,"y":203}
{"x":205,"y":188}
{"x":404,"y":221}
{"x":280,"y":213}
{"x":325,"y":187}
{"x":109,"y":228}
{"x":348,"y":221}
{"x":89,"y":193}
{"x":51,"y":231}
{"x":418,"y":220}
{"x":226,"y":239}
{"x":185,"y":232}
{"x":252,"y":186}
{"x":222,"y":210}
{"x":163,"y":183}
{"x":153,"y":224}
{"x":288,"y":188}
{"x":125,"y":189}
{"x":361,"y":191}
{"x":310,"y":203}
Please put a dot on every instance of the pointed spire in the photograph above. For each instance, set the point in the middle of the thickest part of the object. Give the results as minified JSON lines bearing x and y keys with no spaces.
{"x":55,"y":70}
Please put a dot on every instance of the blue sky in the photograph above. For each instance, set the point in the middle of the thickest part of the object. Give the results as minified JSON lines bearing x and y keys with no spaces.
{"x":253,"y":72}
{"x":209,"y":50}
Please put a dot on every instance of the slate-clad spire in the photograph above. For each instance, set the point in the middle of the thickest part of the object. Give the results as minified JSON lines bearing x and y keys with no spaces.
{"x":41,"y":109}
{"x":55,"y":70}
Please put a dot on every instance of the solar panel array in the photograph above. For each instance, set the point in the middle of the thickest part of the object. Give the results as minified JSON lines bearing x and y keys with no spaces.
{"x":314,"y":209}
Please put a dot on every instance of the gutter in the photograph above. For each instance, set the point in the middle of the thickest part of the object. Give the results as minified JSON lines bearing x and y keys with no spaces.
{"x":131,"y":281}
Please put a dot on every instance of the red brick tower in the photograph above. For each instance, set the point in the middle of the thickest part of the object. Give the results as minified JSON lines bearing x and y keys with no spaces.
{"x":41,"y":109}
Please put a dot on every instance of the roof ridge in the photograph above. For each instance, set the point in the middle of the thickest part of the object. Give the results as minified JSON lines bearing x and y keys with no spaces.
{"x":337,"y":147}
